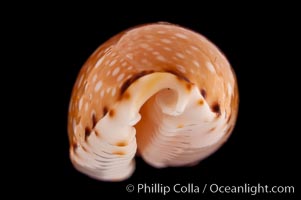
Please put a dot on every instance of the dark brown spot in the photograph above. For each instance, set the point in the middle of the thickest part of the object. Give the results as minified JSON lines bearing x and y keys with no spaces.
{"x":229,"y":130}
{"x":212,"y":129}
{"x":105,"y":110}
{"x":97,"y":133}
{"x":125,"y":96}
{"x":84,"y":148}
{"x":121,"y":144}
{"x":111,"y":113}
{"x":87,"y":132}
{"x":94,"y":120}
{"x":120,"y":153}
{"x":128,"y":82}
{"x":188,"y":86}
{"x":216,"y":108}
{"x":74,"y":146}
{"x":228,"y":120}
{"x":180,"y":126}
{"x":203,"y":92}
{"x":179,"y":76}
{"x":201,"y":102}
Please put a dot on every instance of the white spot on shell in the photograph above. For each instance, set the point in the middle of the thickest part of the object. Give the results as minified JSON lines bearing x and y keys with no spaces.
{"x":229,"y":89}
{"x":86,"y":107}
{"x":188,"y":52}
{"x":128,"y":77}
{"x":161,"y":32}
{"x":86,"y":85}
{"x":89,"y":69}
{"x":195,"y":48}
{"x":94,"y":78}
{"x":167,"y":49}
{"x":113,"y":92}
{"x":129,"y":56}
{"x":115,"y":72}
{"x":196,"y":63}
{"x":166,"y":41}
{"x":98,"y":86}
{"x":99,"y":54}
{"x":156,"y":53}
{"x":102,"y":93}
{"x":108,"y":90}
{"x":108,"y":73}
{"x":130,"y":68}
{"x":181,"y":68}
{"x":182,"y":36}
{"x":108,"y":51}
{"x":180,"y":55}
{"x":144,"y":45}
{"x":99,"y":62}
{"x":210,"y":67}
{"x":120,"y":77}
{"x":74,"y":124}
{"x":161,"y":58}
{"x":123,"y":64}
{"x":144,"y":61}
{"x":80,"y":81}
{"x":112,"y":63}
{"x":80,"y":127}
{"x":80,"y":103}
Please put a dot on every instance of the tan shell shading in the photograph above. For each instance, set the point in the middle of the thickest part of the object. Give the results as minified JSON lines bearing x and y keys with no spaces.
{"x":160,"y":91}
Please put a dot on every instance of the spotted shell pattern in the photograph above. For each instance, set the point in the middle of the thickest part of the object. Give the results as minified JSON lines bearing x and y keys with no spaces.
{"x":158,"y":91}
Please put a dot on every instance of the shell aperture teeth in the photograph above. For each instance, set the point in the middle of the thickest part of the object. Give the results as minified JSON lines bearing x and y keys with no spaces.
{"x":166,"y":110}
{"x":113,"y":129}
{"x":172,"y":132}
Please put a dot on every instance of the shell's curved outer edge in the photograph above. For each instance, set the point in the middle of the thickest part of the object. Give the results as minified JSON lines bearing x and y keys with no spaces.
{"x":178,"y":81}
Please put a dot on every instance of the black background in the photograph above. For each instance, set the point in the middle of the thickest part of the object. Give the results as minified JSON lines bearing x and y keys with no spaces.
{"x":258,"y":42}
